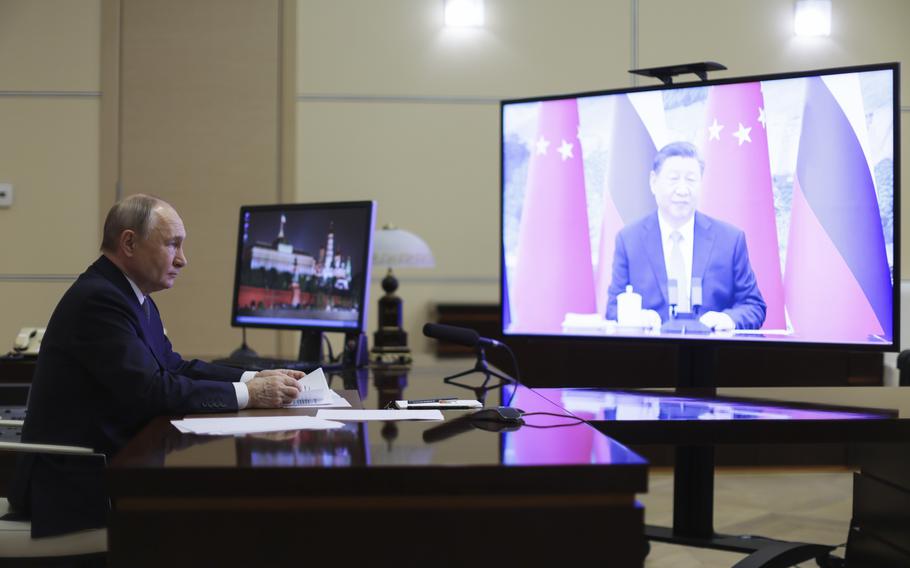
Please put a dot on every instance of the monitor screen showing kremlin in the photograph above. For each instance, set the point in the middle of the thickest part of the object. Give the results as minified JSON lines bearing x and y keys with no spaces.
{"x":304,"y":266}
{"x":752,"y":209}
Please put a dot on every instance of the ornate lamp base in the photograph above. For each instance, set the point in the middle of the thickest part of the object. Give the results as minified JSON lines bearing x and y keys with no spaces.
{"x":390,"y":341}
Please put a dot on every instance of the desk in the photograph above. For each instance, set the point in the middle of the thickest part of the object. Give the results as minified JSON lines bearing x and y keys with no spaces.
{"x":696,"y":425}
{"x":374,"y":493}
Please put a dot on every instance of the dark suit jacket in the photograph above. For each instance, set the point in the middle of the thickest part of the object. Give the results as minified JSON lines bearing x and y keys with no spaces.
{"x":719,"y":257}
{"x":104,"y":370}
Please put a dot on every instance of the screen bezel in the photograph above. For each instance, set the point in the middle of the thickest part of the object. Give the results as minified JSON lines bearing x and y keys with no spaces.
{"x":893,"y":346}
{"x":369,"y":206}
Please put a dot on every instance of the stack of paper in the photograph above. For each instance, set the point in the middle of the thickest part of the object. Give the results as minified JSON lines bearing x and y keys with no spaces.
{"x":315,"y":391}
{"x":236,"y":425}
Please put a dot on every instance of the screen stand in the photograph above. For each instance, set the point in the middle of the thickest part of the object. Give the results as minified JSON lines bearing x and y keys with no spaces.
{"x":693,"y":479}
{"x":355,"y":353}
{"x":310,"y":346}
{"x":693,"y":485}
{"x":244,"y":351}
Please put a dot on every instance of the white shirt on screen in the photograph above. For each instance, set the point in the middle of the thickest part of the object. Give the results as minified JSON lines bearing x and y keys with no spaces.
{"x":686,"y":245}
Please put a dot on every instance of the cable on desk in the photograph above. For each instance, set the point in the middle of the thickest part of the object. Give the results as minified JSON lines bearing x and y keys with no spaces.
{"x":328,"y":345}
{"x":575,"y":418}
{"x":517,"y":373}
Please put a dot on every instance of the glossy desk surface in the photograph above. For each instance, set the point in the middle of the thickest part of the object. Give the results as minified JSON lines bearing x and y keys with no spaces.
{"x":370,"y":490}
{"x":382,"y":456}
{"x":636,"y":417}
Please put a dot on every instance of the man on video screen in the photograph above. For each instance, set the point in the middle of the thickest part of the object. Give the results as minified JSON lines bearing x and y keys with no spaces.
{"x":676,"y":242}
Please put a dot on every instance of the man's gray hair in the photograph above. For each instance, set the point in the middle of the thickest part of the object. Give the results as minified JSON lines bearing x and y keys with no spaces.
{"x":135,"y":213}
{"x":676,"y":149}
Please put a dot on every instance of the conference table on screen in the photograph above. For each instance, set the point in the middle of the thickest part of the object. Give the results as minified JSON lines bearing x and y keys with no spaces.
{"x":425,"y":485}
{"x":610,"y":329}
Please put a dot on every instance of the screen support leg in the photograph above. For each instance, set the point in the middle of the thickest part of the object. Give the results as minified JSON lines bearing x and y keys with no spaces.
{"x":355,"y":352}
{"x":244,"y":351}
{"x":693,"y":473}
{"x":310,"y":346}
{"x":693,"y":487}
{"x":693,"y":491}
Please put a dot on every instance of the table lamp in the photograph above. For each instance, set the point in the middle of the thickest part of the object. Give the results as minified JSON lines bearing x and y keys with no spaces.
{"x":395,"y":248}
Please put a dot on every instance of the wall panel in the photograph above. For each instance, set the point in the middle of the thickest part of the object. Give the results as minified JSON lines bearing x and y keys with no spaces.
{"x":49,"y":152}
{"x":50,"y":45}
{"x":199,"y":97}
{"x":432,"y":168}
{"x":49,"y":107}
{"x":400,"y":47}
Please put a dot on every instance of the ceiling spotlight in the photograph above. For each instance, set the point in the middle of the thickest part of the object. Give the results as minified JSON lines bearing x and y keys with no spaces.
{"x":464,"y":13}
{"x":812,"y":18}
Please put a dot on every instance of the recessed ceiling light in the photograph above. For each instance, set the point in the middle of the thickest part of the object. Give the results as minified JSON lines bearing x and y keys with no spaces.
{"x":464,"y":13}
{"x":812,"y":18}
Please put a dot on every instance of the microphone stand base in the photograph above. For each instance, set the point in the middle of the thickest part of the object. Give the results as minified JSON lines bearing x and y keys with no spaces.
{"x":481,"y":366}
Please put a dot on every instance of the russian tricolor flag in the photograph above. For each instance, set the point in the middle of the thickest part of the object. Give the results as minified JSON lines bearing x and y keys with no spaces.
{"x":837,"y":280}
{"x":627,"y":193}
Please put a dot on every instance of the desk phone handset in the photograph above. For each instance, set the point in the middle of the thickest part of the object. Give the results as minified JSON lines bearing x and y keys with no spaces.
{"x":28,"y":341}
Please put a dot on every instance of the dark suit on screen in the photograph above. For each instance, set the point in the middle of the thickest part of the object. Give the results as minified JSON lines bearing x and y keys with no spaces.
{"x":105,"y":369}
{"x":719,"y":258}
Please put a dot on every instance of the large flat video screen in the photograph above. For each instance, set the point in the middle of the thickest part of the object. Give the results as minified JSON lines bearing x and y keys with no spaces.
{"x":304,"y":266}
{"x":756,"y":209}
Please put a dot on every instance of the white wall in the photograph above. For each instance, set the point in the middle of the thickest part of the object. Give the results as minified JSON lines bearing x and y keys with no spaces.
{"x":390,"y":106}
{"x":393,"y":106}
{"x":49,"y":109}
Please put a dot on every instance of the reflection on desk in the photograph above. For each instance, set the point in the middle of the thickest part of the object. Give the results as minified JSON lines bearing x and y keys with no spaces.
{"x":567,"y":489}
{"x":646,"y":417}
{"x":694,"y":426}
{"x":642,"y":405}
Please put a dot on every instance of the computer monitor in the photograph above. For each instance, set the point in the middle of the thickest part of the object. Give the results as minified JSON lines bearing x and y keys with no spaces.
{"x":749,"y":210}
{"x":305,"y":266}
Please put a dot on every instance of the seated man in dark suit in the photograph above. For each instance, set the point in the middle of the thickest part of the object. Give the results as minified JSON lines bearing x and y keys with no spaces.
{"x":677,"y":242}
{"x":106,"y":368}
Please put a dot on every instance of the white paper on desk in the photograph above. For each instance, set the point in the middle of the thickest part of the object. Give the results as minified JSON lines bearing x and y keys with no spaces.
{"x":326,"y":397}
{"x":358,"y":415}
{"x":235,"y":425}
{"x":315,"y":391}
{"x":313,"y":381}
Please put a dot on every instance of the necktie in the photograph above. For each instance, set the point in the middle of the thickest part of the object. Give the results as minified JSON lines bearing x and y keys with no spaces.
{"x":147,"y":310}
{"x":677,"y":270}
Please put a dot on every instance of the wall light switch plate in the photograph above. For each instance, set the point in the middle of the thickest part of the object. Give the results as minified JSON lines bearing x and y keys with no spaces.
{"x":6,"y":195}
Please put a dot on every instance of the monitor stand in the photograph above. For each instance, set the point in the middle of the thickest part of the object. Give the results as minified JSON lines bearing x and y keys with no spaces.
{"x":310,"y":346}
{"x":354,"y":354}
{"x":693,"y":485}
{"x":244,"y":351}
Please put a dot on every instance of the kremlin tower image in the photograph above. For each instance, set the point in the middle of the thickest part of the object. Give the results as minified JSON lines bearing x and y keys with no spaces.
{"x":279,"y":280}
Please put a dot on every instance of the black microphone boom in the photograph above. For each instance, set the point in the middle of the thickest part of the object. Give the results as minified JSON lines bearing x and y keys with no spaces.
{"x":470,"y":338}
{"x":459,"y":335}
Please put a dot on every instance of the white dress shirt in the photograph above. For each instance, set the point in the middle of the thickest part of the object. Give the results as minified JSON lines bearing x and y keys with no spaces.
{"x":240,"y":388}
{"x":686,"y":246}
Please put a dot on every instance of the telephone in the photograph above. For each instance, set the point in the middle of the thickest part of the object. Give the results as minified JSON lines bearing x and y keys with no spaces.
{"x":28,"y":341}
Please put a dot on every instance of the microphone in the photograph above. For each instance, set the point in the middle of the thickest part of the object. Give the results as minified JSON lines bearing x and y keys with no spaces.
{"x":696,"y":295}
{"x":460,"y":335}
{"x":672,"y":292}
{"x":672,"y":296}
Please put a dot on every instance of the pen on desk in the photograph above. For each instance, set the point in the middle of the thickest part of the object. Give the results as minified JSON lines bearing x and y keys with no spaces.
{"x":429,"y":400}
